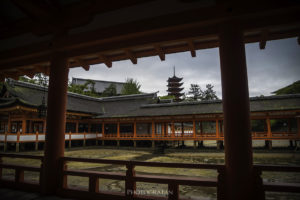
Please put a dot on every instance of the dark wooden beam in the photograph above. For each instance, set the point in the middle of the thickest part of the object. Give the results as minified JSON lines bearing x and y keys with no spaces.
{"x":106,"y":61}
{"x":160,"y":52}
{"x":83,"y":64}
{"x":264,"y":38}
{"x":192,"y":48}
{"x":131,"y":56}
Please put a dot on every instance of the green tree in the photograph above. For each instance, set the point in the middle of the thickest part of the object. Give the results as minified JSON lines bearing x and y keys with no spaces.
{"x":88,"y":88}
{"x":209,"y":93}
{"x":195,"y":91}
{"x":290,"y":89}
{"x":131,"y":87}
{"x":111,"y":90}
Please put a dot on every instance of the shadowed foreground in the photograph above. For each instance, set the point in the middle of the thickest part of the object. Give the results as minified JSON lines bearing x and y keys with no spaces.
{"x":8,"y":194}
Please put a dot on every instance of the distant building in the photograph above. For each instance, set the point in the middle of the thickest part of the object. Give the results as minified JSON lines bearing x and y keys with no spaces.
{"x":174,"y":87}
{"x":100,"y":86}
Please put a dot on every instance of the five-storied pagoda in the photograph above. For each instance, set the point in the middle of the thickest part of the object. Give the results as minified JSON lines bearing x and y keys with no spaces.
{"x":174,"y":87}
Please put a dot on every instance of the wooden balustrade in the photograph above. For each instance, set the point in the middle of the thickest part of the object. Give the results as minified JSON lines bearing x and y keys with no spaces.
{"x":130,"y":177}
{"x":18,"y":182}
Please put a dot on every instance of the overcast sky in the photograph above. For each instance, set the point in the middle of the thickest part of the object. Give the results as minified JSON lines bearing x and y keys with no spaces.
{"x":268,"y":70}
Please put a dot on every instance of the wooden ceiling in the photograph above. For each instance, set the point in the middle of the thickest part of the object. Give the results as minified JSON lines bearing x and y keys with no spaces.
{"x":91,"y":32}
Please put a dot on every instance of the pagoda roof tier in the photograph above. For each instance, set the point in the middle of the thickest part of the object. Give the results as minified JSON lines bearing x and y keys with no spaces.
{"x":174,"y":84}
{"x":174,"y":89}
{"x":174,"y":79}
{"x":175,"y":94}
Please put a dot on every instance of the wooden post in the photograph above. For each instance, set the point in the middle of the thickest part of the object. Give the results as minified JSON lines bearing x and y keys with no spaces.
{"x":153,"y":129}
{"x":1,"y":167}
{"x":84,"y":138}
{"x":194,"y":129}
{"x":195,"y":144}
{"x":130,"y":185}
{"x":269,"y":134}
{"x":19,"y":176}
{"x":134,"y":129}
{"x":118,"y":129}
{"x":236,"y":109}
{"x":77,"y":125}
{"x":134,"y":143}
{"x":36,"y":141}
{"x":18,"y":142}
{"x":56,"y":122}
{"x":173,"y":129}
{"x":9,"y":124}
{"x":93,"y":184}
{"x":70,"y":140}
{"x":118,"y":143}
{"x":5,"y":142}
{"x":153,"y":144}
{"x":23,"y":126}
{"x":298,"y":127}
{"x":173,"y":190}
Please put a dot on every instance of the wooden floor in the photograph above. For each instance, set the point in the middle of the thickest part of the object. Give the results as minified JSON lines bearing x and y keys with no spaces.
{"x":9,"y":194}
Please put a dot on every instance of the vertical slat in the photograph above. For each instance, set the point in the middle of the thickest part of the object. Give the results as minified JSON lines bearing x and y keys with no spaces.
{"x":173,"y":191}
{"x":221,"y":191}
{"x":1,"y":167}
{"x":63,"y":178}
{"x":93,"y":184}
{"x":130,"y":184}
{"x":19,"y":175}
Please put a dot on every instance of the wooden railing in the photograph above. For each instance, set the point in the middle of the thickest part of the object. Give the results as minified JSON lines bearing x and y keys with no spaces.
{"x":19,"y":182}
{"x":130,"y":177}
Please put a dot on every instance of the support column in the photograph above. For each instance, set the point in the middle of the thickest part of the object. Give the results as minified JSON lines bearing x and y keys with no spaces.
{"x":269,"y":135}
{"x":18,"y":142}
{"x":134,"y":143}
{"x":153,"y":144}
{"x":195,"y":144}
{"x":118,"y":143}
{"x":56,"y":122}
{"x":235,"y":97}
{"x":36,"y":141}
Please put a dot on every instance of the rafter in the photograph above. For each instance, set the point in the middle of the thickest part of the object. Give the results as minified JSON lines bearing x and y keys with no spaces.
{"x":192,"y":48}
{"x":160,"y":52}
{"x":83,"y":64}
{"x":131,"y":56}
{"x":264,"y":38}
{"x":105,"y":60}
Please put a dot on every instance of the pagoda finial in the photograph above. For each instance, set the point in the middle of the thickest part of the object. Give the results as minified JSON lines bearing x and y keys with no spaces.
{"x":174,"y":69}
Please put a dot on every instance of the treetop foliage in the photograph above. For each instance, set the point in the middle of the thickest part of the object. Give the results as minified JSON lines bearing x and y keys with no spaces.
{"x":131,"y":86}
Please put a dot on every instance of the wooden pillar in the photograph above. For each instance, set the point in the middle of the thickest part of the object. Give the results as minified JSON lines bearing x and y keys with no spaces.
{"x":195,"y":144}
{"x":18,"y":142}
{"x":298,"y":127}
{"x":23,"y":126}
{"x":118,"y":129}
{"x":56,"y":122}
{"x":9,"y":124}
{"x":77,"y":125}
{"x":84,"y":139}
{"x":5,"y":142}
{"x":134,"y":129}
{"x":36,"y":141}
{"x":173,"y":129}
{"x":153,"y":129}
{"x":70,"y":140}
{"x":153,"y":144}
{"x":118,"y":143}
{"x":134,"y":143}
{"x":194,"y":129}
{"x":235,"y":97}
{"x":44,"y":126}
{"x":269,"y":134}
